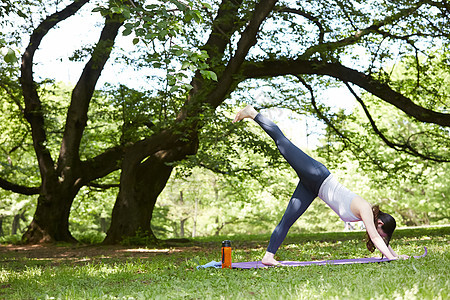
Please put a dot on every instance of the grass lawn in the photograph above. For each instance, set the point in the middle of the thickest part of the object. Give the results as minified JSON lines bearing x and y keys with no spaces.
{"x":88,"y":272}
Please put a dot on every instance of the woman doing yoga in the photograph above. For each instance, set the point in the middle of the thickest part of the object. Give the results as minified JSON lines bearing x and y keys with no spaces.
{"x":316,"y":180}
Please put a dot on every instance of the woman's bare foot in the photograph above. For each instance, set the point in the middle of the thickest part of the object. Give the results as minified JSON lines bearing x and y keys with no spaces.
{"x":247,"y":112}
{"x":269,"y":260}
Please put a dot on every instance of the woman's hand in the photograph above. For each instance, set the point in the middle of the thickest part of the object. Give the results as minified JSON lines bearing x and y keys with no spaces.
{"x":402,"y":256}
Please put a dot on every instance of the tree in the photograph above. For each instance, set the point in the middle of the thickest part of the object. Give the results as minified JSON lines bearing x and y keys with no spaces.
{"x":229,"y":44}
{"x":62,"y":178}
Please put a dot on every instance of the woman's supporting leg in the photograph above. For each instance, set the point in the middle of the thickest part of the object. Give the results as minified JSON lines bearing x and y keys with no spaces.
{"x":300,"y":201}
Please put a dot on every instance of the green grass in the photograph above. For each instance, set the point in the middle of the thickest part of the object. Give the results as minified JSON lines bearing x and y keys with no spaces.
{"x":171,"y":273}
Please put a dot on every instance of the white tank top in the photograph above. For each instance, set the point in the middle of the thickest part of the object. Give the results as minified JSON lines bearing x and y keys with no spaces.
{"x":338,"y":197}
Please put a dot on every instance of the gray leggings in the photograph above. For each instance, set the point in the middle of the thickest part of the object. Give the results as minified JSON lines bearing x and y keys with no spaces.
{"x":311,"y":173}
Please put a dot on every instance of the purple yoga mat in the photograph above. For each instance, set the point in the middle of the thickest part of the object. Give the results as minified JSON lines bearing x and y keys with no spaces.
{"x":258,"y":264}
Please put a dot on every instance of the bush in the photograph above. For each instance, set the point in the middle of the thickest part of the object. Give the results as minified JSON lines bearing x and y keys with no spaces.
{"x":14,"y":239}
{"x":90,"y":237}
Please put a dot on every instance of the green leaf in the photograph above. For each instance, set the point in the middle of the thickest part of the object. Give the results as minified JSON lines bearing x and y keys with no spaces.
{"x":151,"y":7}
{"x":185,"y":65}
{"x":206,"y":5}
{"x":126,"y":13}
{"x":213,"y":76}
{"x":204,"y":55}
{"x":10,"y":57}
{"x":162,"y":34}
{"x":188,"y":16}
{"x":198,"y":17}
{"x":179,"y":5}
{"x":140,"y":32}
{"x":210,"y":75}
{"x":174,"y":88}
{"x":126,"y":32}
{"x":116,"y":10}
{"x":188,"y":87}
{"x":135,"y":41}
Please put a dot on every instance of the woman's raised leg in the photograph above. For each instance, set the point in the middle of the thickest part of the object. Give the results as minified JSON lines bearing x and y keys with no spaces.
{"x":311,"y":172}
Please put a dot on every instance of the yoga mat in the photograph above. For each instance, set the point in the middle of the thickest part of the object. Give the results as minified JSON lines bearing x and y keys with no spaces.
{"x":258,"y":264}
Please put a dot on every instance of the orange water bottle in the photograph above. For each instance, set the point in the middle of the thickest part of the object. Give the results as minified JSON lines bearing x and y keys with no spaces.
{"x":226,"y":254}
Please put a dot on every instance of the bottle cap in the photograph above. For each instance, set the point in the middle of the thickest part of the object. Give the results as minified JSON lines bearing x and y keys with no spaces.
{"x":226,"y":243}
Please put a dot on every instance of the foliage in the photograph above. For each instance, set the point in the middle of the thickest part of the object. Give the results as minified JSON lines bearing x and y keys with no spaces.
{"x":15,"y":141}
{"x":11,"y":239}
{"x":6,"y":51}
{"x":248,"y":191}
{"x":15,"y":213}
{"x":90,"y":215}
{"x":159,"y":32}
{"x":90,"y":237}
{"x":162,"y":273}
{"x":17,"y":161}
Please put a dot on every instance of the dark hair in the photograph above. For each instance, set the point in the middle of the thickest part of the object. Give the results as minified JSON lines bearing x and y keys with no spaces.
{"x":388,"y":226}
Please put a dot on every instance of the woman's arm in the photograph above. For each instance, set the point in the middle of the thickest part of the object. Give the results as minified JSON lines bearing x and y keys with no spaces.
{"x":366,"y":215}
{"x":392,"y":251}
{"x":380,"y":244}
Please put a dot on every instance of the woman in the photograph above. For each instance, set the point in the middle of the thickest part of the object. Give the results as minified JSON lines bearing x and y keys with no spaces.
{"x":316,"y":180}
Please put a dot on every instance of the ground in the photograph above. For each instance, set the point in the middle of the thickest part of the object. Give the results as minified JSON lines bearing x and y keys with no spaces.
{"x":77,"y":253}
{"x":169,"y":271}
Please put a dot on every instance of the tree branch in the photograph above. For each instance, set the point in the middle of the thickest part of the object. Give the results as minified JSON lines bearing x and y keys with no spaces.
{"x":20,"y":189}
{"x":103,"y":186}
{"x":82,"y":94}
{"x":102,"y":164}
{"x":313,"y":19}
{"x":249,"y":170}
{"x":406,"y":147}
{"x":272,"y":68}
{"x":331,"y":46}
{"x":330,"y":124}
{"x":33,"y":108}
{"x":247,"y":40}
{"x":224,"y":25}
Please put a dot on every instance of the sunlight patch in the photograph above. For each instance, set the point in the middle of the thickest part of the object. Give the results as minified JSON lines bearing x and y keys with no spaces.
{"x":140,"y":250}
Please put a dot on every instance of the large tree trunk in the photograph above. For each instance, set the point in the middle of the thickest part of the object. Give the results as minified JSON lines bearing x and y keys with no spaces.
{"x":51,"y":221}
{"x":141,"y":183}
